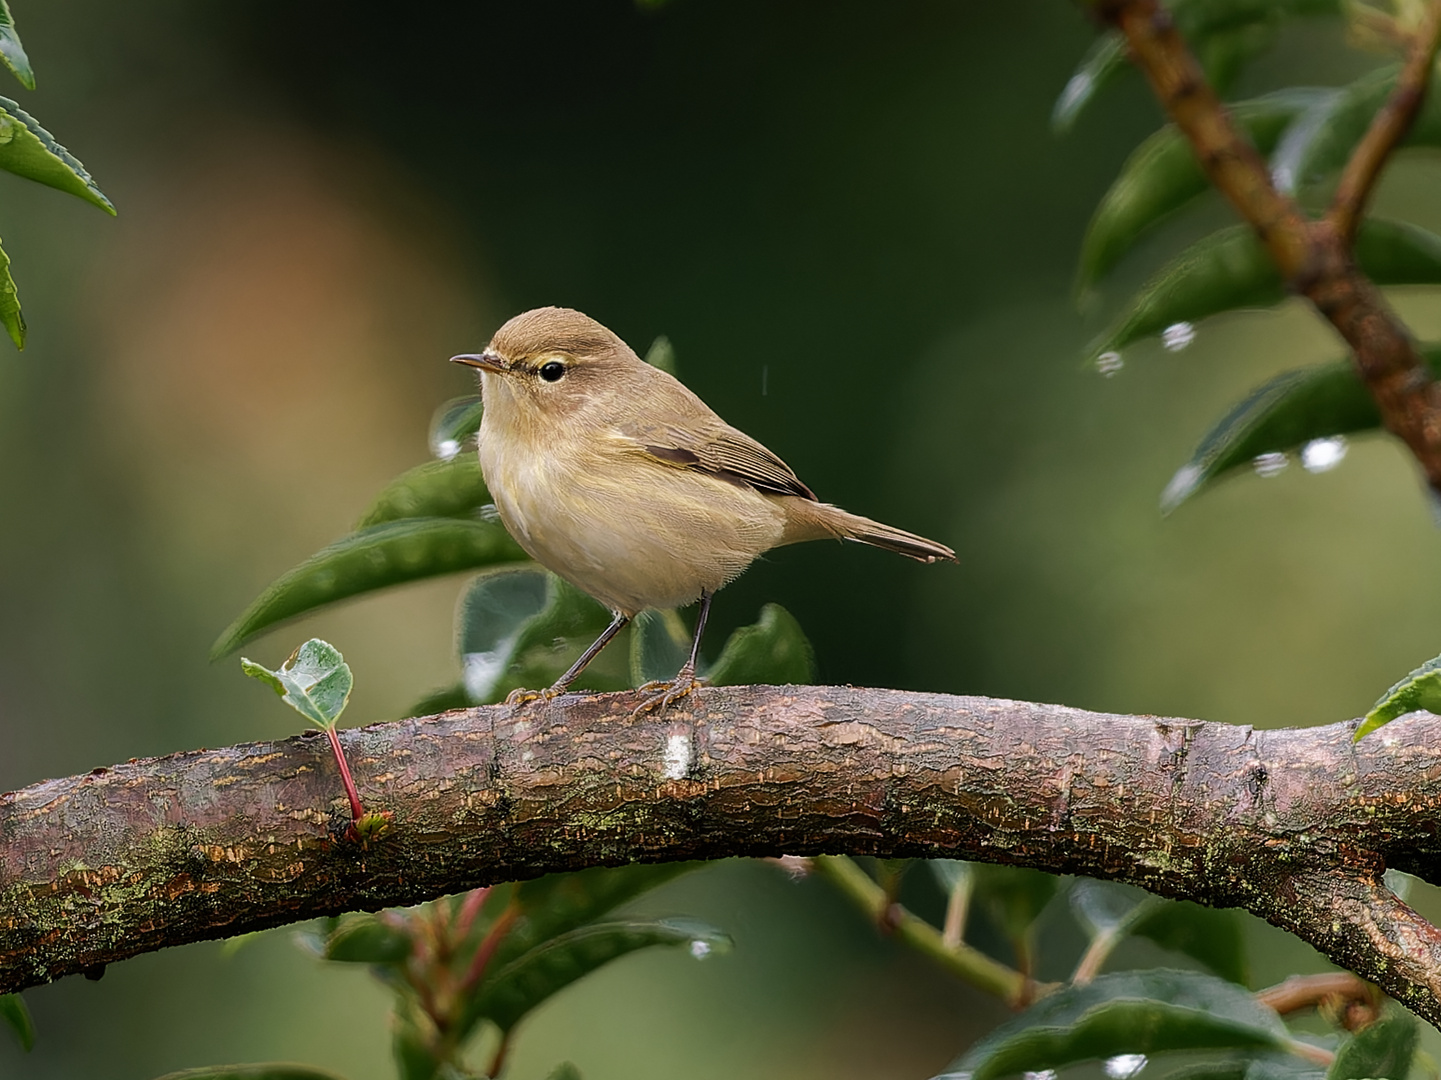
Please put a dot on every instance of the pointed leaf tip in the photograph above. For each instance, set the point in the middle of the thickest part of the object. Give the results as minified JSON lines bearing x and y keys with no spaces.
{"x":1420,"y":690}
{"x":12,"y":53}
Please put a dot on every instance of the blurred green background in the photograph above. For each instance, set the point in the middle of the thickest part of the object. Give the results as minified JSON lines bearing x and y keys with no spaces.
{"x":855,"y":225}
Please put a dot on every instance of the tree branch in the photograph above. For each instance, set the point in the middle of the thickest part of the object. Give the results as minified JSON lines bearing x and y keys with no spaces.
{"x":1387,"y":129}
{"x":1295,"y":825}
{"x":1314,"y":257}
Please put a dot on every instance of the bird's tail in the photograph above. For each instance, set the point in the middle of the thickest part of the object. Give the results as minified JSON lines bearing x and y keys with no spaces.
{"x":814,"y":520}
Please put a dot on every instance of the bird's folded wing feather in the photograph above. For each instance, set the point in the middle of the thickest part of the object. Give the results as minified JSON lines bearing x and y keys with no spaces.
{"x":723,"y":452}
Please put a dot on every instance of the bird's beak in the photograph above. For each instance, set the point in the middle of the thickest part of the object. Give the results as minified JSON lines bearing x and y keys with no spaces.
{"x":486,"y":361}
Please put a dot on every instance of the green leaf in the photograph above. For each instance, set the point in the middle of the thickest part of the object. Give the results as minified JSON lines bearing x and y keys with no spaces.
{"x":275,"y":1070}
{"x":772,"y":650}
{"x":659,"y":645}
{"x":530,"y":980}
{"x":1283,"y":414}
{"x":16,"y":1015}
{"x":565,"y":1070}
{"x":558,"y":903}
{"x":1231,"y":269}
{"x":413,"y":1043}
{"x":365,"y":939}
{"x":1013,"y":896}
{"x":490,"y":620}
{"x":1267,"y":1065}
{"x":1349,"y":120}
{"x":452,"y":488}
{"x":661,"y":354}
{"x":1381,"y":1049}
{"x":12,"y":53}
{"x":10,"y":316}
{"x":28,"y":150}
{"x":1421,"y":689}
{"x":315,"y":681}
{"x":393,"y":553}
{"x":1209,"y":935}
{"x":1129,"y":1012}
{"x":550,"y":642}
{"x":1162,"y":176}
{"x":454,"y":425}
{"x":1104,"y":60}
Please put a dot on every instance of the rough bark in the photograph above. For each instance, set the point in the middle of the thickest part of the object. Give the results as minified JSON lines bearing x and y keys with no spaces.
{"x":1294,"y":825}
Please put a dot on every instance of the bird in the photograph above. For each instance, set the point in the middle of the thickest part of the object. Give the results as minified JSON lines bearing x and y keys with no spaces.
{"x":613,"y":475}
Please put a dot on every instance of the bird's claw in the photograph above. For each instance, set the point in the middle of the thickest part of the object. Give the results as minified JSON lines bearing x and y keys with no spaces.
{"x":520,"y":695}
{"x":668,"y":692}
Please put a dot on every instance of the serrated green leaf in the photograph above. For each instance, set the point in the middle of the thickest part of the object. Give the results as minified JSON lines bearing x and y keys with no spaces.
{"x":452,"y":488}
{"x":1381,"y":1049}
{"x":1231,"y":270}
{"x":392,"y":553}
{"x":453,"y":426}
{"x":1129,"y":1012}
{"x":490,"y":620}
{"x":315,"y":681}
{"x":275,"y":1070}
{"x":541,"y":972}
{"x":366,"y":939}
{"x":1163,"y":176}
{"x":1282,"y":415}
{"x":661,"y":354}
{"x":10,"y":316}
{"x":1013,"y":896}
{"x":773,"y":649}
{"x":16,"y":1016}
{"x":28,"y":150}
{"x":1421,"y":689}
{"x":12,"y":53}
{"x":1206,"y":934}
{"x":659,"y":645}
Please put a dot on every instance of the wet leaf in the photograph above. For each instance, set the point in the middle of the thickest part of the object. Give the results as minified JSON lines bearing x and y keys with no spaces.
{"x":15,"y":1014}
{"x":453,"y":427}
{"x":392,"y":553}
{"x":1231,"y":270}
{"x":275,"y":1070}
{"x":490,"y":621}
{"x":12,"y":53}
{"x":315,"y":681}
{"x":659,"y":645}
{"x":519,"y":987}
{"x":1129,"y":1012}
{"x":1281,"y":415}
{"x":1222,"y":35}
{"x":1209,"y":935}
{"x":1162,"y":176}
{"x":452,"y":488}
{"x":773,"y":650}
{"x":28,"y":150}
{"x":1421,"y":689}
{"x":1381,"y":1049}
{"x":661,"y":354}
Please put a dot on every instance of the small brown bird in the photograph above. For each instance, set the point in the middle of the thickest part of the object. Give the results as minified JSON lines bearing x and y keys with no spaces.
{"x":613,"y":475}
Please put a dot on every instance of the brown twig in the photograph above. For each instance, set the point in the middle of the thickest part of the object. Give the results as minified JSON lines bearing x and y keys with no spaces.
{"x":1351,"y":1000}
{"x":1314,"y":257}
{"x":1387,"y":129}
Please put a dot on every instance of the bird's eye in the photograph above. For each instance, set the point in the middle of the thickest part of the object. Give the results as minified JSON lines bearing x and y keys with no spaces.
{"x":552,"y":370}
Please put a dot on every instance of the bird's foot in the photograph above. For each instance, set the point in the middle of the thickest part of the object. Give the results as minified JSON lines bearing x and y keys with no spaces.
{"x":520,"y":695}
{"x":662,"y":694}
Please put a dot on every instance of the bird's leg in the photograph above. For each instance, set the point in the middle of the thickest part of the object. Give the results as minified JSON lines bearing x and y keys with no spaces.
{"x":515,"y":697}
{"x":685,"y":680}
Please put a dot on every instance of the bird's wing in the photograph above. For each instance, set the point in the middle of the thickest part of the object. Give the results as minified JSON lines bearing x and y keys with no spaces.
{"x":723,"y":452}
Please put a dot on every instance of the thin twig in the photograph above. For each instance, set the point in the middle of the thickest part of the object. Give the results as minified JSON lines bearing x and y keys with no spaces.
{"x":1387,"y":129}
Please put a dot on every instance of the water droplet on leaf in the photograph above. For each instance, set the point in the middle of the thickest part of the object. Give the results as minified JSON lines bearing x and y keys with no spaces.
{"x":1269,"y":465}
{"x":1124,"y":1066}
{"x":1322,"y":455}
{"x":447,"y":449}
{"x":1177,"y":336}
{"x":700,"y":949}
{"x":1110,"y":362}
